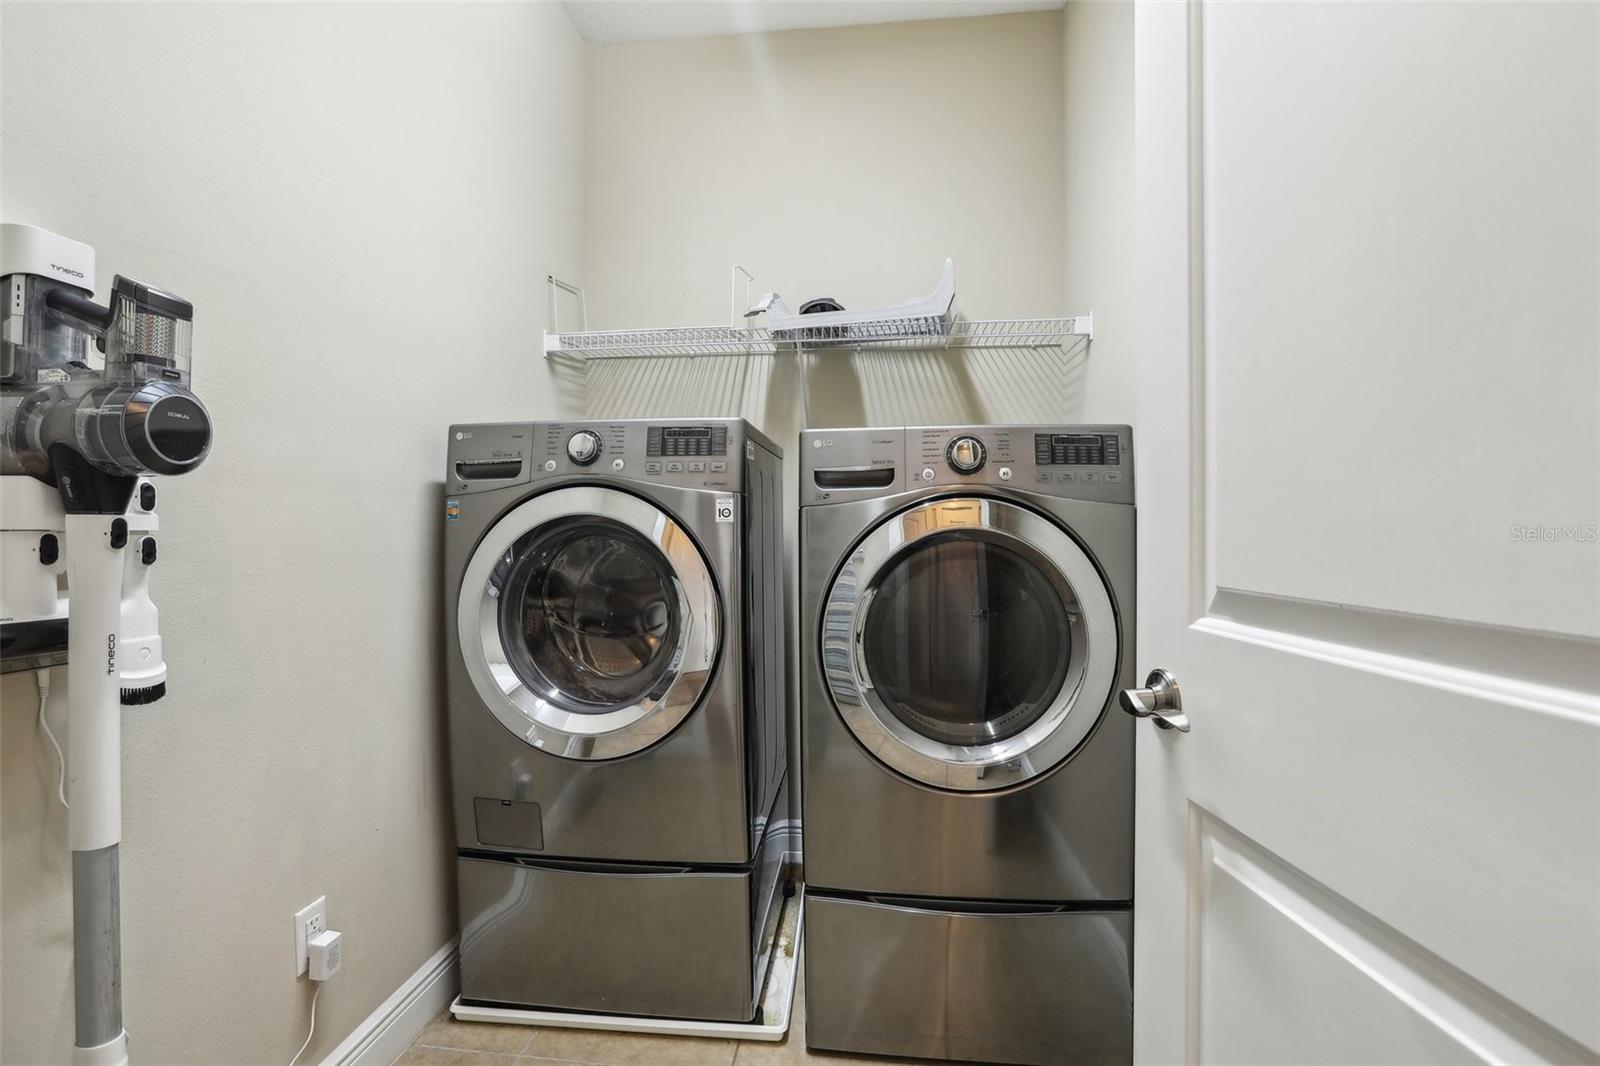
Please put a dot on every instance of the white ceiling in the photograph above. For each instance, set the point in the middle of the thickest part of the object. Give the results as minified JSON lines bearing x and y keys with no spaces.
{"x":615,"y":21}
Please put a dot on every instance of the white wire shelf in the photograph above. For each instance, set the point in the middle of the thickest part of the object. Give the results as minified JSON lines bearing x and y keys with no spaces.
{"x":918,"y":334}
{"x":656,"y":343}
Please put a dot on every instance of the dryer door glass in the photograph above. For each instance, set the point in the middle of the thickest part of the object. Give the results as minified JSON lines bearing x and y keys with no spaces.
{"x":966,"y":641}
{"x":588,"y":613}
{"x":970,"y":643}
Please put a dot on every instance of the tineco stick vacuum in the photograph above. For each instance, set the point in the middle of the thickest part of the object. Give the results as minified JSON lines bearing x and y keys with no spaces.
{"x":90,"y":434}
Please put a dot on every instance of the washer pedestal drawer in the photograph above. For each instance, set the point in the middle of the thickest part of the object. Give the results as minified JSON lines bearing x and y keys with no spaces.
{"x":975,"y":983}
{"x":664,"y":941}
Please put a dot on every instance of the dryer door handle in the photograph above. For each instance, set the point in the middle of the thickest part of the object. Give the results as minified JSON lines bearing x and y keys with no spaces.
{"x":1159,"y":699}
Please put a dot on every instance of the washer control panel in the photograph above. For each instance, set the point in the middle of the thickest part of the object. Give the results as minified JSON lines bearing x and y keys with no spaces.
{"x":1080,"y":462}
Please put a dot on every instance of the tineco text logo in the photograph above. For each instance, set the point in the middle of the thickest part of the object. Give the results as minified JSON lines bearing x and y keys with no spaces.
{"x":66,"y":270}
{"x":111,"y":653}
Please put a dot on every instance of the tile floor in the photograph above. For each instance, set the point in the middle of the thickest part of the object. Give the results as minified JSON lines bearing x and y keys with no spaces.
{"x":447,"y":1042}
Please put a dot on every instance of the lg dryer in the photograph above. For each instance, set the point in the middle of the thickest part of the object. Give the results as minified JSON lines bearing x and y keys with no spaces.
{"x":615,"y":672}
{"x":967,"y":619}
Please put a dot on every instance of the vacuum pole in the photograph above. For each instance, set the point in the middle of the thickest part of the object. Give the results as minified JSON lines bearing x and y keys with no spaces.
{"x":95,"y":562}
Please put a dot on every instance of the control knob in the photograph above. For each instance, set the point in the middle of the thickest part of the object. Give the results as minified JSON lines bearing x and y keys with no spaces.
{"x":965,"y":455}
{"x":583,"y":447}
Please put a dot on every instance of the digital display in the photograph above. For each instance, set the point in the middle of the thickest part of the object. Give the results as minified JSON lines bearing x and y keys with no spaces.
{"x":673,"y":441}
{"x":1076,"y":449}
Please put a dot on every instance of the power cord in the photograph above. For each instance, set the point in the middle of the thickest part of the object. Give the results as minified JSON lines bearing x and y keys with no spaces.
{"x":43,"y":678}
{"x":313,"y":1030}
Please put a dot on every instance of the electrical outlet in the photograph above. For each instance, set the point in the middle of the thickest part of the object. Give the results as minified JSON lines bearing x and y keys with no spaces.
{"x":308,"y":922}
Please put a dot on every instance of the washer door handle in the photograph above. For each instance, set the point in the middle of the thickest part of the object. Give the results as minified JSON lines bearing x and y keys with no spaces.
{"x":1159,"y":699}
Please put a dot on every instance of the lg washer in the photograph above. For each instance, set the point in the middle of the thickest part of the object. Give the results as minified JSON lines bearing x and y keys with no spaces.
{"x":615,"y":661}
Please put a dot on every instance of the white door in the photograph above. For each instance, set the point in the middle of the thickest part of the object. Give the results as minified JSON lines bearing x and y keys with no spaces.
{"x":1370,"y":387}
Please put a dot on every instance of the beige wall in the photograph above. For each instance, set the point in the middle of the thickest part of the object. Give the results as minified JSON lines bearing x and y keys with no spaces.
{"x":1098,"y":267}
{"x":305,"y":175}
{"x":851,"y":162}
{"x":356,"y":198}
{"x":843,"y":162}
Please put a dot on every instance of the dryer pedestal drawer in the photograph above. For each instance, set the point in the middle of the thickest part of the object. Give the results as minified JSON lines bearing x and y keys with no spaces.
{"x":657,"y":941}
{"x":1045,"y":987}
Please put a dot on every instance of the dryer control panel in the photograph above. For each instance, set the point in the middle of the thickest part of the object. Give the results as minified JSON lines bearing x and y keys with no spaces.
{"x":1091,"y":462}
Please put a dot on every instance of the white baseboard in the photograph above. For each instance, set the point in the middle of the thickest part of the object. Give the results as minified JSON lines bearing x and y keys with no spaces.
{"x":400,"y":1019}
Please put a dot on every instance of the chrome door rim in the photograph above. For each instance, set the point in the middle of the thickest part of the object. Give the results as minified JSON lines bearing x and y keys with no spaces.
{"x":536,"y":717}
{"x":1077,"y":704}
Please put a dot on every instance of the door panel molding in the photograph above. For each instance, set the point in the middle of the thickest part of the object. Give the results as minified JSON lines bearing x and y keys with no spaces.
{"x":1545,"y":672}
{"x":1541,"y":671}
{"x":1202,"y":475}
{"x":1254,"y":918}
{"x":1405,"y":350}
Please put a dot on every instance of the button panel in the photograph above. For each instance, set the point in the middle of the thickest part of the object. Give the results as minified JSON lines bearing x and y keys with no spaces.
{"x":687,"y":440}
{"x":1077,"y":449}
{"x":696,"y":454}
{"x":1088,"y":462}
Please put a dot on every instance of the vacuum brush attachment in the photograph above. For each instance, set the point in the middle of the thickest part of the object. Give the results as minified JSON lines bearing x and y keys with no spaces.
{"x":144,"y":672}
{"x":134,"y":697}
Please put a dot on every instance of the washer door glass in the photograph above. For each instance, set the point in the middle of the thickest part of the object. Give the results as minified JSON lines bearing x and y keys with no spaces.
{"x":589,"y":613}
{"x":965,"y":640}
{"x":970,"y":643}
{"x":588,"y":622}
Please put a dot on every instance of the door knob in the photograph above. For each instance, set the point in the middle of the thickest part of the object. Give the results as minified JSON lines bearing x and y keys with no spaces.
{"x":1159,"y":699}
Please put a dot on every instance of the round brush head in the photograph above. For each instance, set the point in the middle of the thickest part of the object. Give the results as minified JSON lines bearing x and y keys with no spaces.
{"x":134,"y":697}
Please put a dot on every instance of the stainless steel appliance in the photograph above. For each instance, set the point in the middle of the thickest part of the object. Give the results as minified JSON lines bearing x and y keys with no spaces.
{"x":615,"y":664}
{"x":966,"y":615}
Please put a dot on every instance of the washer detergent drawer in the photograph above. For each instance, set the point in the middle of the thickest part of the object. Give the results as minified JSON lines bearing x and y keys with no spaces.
{"x":647,"y":940}
{"x":1045,"y":987}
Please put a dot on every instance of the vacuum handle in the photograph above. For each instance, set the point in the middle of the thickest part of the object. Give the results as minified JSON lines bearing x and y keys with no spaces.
{"x":79,"y":308}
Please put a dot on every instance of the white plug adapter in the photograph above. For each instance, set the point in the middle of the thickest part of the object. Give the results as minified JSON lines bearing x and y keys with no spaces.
{"x":326,"y":952}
